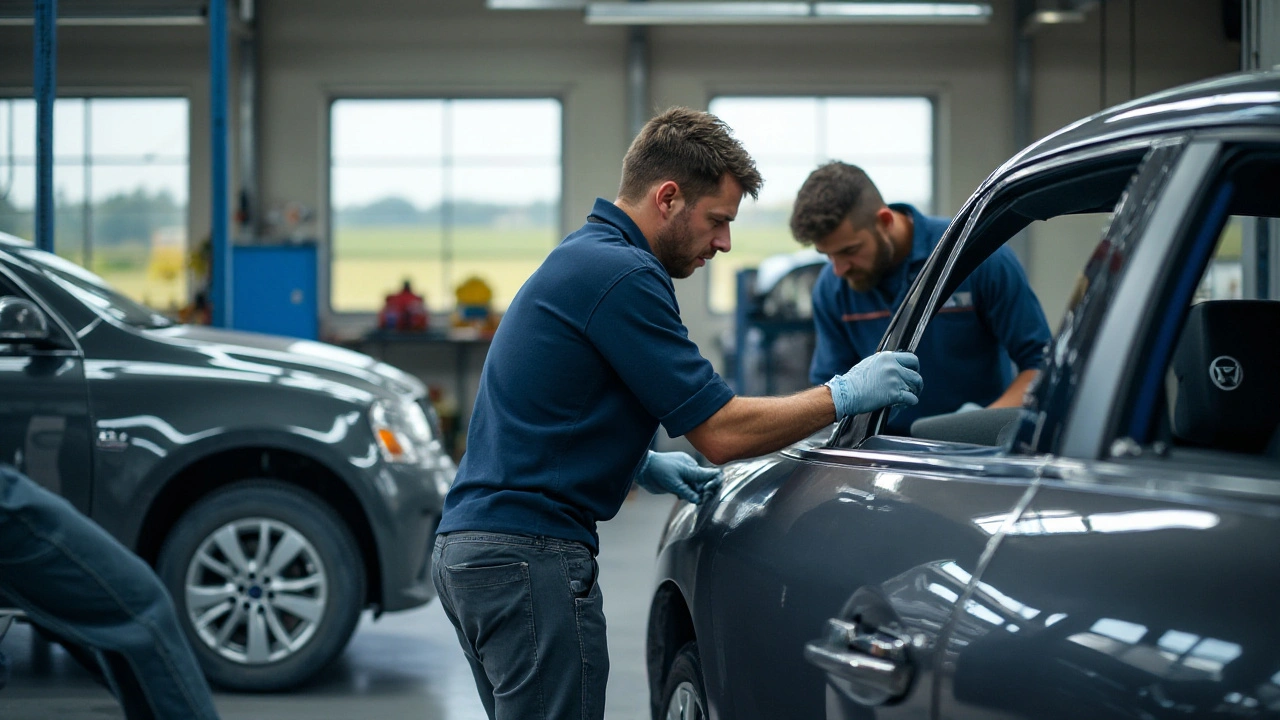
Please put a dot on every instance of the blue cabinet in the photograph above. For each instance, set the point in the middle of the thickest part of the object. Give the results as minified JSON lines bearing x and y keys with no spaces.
{"x":274,"y":289}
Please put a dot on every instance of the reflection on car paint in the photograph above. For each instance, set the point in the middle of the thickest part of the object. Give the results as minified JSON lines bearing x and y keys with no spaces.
{"x":147,"y":445}
{"x":368,"y":460}
{"x":1213,"y":101}
{"x":730,"y":511}
{"x":170,"y":433}
{"x":1055,"y":522}
{"x":342,"y":425}
{"x":888,"y":481}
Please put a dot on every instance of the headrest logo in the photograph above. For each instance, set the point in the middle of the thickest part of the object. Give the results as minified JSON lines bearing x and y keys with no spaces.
{"x":1226,"y":373}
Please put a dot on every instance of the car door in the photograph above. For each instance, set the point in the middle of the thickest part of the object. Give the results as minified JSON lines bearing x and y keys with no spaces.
{"x":806,"y":539}
{"x":44,"y":406}
{"x":1145,"y":561}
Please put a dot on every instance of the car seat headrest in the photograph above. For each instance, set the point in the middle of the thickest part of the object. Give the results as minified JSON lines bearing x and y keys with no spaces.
{"x":1224,"y":381}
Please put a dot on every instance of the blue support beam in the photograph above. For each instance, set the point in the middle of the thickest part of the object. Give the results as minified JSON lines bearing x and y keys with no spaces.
{"x":46,"y":90}
{"x":220,"y":281}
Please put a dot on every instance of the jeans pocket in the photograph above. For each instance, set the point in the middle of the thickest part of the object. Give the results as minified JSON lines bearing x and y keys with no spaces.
{"x":595,"y":652}
{"x":494,"y":613}
{"x":475,"y":576}
{"x":583,"y":572}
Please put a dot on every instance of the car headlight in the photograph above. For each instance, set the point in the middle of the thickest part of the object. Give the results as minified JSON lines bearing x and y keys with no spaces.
{"x":403,"y":431}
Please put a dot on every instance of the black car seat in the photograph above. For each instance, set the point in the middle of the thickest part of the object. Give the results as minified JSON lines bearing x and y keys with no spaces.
{"x":1224,"y":382}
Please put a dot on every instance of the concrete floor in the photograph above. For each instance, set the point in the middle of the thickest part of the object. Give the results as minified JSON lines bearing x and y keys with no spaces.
{"x":405,"y":665}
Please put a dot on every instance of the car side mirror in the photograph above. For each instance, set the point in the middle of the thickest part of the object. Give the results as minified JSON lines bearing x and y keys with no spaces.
{"x":22,"y":321}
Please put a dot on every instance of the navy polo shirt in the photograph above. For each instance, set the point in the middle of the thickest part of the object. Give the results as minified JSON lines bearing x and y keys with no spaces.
{"x":992,"y":318}
{"x":589,"y":358}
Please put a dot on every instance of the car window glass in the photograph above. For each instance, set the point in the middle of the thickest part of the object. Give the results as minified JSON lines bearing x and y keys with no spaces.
{"x":94,"y":291}
{"x":1217,"y":402}
{"x":1088,"y":300}
{"x":7,"y":288}
{"x":1224,"y":278}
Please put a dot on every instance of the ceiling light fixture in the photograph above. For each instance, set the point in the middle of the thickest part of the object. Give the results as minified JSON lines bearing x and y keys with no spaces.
{"x":749,"y":12}
{"x":535,"y":4}
{"x":906,"y":12}
{"x":109,"y":12}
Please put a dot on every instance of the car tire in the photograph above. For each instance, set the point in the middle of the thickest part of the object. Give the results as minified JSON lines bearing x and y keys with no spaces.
{"x":684,"y":697}
{"x":267,"y":619}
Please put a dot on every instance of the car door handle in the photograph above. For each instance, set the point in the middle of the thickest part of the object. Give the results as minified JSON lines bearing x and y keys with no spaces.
{"x":872,"y":668}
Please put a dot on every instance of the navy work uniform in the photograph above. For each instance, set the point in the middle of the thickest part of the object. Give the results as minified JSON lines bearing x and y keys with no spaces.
{"x":991,"y":322}
{"x":590,"y":357}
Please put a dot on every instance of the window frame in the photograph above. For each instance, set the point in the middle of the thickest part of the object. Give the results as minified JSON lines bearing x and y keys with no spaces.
{"x":325,"y":251}
{"x":939,"y":276}
{"x":86,"y":163}
{"x":933,"y":96}
{"x":1136,"y":427}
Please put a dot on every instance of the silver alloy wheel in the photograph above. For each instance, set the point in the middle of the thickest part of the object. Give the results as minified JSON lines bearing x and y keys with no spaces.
{"x":256,"y":591}
{"x":685,"y":704}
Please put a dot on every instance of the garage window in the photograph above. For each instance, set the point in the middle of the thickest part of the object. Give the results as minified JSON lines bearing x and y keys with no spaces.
{"x":120,"y":188}
{"x":892,"y":138}
{"x":435,"y":191}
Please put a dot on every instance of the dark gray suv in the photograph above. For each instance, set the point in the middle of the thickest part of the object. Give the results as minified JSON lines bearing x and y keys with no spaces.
{"x":1106,"y":551}
{"x":279,"y":486}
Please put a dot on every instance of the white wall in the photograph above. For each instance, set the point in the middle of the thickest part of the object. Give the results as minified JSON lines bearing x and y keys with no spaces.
{"x":314,"y":50}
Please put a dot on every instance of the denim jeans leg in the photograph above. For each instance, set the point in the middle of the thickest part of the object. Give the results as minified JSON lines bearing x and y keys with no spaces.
{"x":530,"y":612}
{"x":477,"y":670}
{"x":72,"y":577}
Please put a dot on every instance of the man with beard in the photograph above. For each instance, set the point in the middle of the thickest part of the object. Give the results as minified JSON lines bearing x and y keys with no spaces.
{"x":991,"y":323}
{"x":590,"y":358}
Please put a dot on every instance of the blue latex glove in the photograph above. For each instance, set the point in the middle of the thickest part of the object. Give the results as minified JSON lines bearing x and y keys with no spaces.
{"x":884,"y":379}
{"x":677,"y":473}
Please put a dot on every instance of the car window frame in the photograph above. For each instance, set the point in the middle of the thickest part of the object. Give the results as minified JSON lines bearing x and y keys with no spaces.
{"x":1134,"y":434}
{"x":907,"y":326}
{"x":1092,"y":420}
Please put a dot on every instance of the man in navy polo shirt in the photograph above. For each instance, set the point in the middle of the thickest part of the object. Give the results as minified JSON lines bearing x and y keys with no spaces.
{"x":991,"y":322}
{"x":590,"y":358}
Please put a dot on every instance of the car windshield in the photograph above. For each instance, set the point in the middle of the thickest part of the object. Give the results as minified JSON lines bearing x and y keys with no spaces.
{"x":94,"y":291}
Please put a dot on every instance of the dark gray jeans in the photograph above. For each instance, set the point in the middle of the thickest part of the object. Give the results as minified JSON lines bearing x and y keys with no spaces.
{"x":530,"y":618}
{"x":74,"y":579}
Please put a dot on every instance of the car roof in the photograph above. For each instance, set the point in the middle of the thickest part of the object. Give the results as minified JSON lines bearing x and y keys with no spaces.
{"x":13,"y":241}
{"x":1239,"y":99}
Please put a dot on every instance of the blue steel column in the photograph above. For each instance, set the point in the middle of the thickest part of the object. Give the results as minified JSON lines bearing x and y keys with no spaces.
{"x":46,"y":85}
{"x":220,"y":280}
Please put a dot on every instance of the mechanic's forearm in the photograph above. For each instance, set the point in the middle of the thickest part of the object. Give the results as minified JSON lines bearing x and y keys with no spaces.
{"x":1017,"y":389}
{"x":751,"y":426}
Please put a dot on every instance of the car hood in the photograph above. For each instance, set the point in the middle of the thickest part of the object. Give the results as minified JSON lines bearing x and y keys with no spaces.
{"x":328,"y":361}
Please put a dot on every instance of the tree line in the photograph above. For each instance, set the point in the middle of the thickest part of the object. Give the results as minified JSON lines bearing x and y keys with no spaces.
{"x":118,"y":219}
{"x":400,"y":211}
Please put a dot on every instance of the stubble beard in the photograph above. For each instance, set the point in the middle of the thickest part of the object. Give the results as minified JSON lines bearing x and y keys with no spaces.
{"x":673,"y":246}
{"x":883,"y":263}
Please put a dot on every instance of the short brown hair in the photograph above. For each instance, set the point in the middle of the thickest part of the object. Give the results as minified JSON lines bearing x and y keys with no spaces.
{"x":693,"y":148}
{"x":830,"y":194}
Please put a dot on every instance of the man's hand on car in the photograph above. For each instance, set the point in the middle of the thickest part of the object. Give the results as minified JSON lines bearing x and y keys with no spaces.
{"x":679,"y":474}
{"x":884,"y":379}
